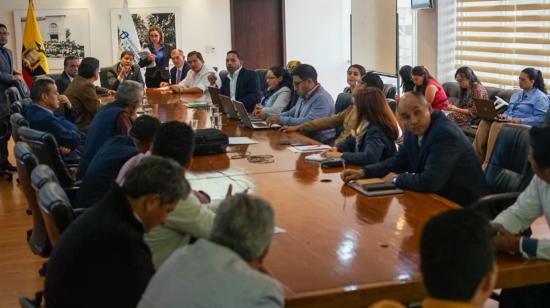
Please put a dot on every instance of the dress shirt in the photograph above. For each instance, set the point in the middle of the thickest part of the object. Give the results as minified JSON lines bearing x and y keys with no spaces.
{"x":233,"y":82}
{"x":200,"y":79}
{"x":529,"y":107}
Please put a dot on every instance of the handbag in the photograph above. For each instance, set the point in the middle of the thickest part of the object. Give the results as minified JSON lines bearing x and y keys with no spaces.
{"x":210,"y":141}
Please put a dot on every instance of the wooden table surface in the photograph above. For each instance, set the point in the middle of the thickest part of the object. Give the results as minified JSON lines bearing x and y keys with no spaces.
{"x":340,"y":248}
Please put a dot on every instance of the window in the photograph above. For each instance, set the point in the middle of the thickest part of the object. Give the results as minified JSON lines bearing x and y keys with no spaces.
{"x":497,"y":39}
{"x":407,"y":33}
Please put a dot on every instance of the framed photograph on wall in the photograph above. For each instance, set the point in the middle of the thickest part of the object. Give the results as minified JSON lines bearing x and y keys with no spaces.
{"x":168,"y":19}
{"x":64,"y":32}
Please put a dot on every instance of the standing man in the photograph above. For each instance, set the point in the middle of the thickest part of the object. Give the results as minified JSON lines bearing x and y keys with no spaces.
{"x":7,"y":77}
{"x":70,"y":70}
{"x":240,"y":84}
{"x":199,"y":78}
{"x":180,"y":69}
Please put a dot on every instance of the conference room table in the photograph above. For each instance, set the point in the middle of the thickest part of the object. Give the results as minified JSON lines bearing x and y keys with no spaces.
{"x":338,"y":247}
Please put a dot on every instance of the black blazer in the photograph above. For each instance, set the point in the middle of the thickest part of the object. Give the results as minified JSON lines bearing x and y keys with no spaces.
{"x":62,"y":82}
{"x":445,"y":163}
{"x":186,"y":67}
{"x":247,"y":90}
{"x":101,"y":260}
{"x":160,"y":73}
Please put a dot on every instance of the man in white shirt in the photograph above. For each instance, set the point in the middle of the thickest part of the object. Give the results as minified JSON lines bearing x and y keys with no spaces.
{"x":225,"y":271}
{"x":199,"y":78}
{"x":533,"y":202}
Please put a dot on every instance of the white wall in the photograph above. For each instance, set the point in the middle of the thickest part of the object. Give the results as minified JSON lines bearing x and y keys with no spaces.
{"x":317,"y":33}
{"x":203,"y":23}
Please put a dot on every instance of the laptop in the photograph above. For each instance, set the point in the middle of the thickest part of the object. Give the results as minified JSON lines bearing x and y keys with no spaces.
{"x":215,"y":95}
{"x":228,"y":108}
{"x":486,"y":110}
{"x":248,"y":122}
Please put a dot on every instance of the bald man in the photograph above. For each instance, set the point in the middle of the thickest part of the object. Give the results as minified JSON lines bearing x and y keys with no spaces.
{"x":436,"y":157}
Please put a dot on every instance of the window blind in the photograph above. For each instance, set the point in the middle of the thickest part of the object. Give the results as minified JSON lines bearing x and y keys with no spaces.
{"x":497,"y":39}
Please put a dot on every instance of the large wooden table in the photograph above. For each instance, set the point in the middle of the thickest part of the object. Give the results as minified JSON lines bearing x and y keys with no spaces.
{"x":340,"y":248}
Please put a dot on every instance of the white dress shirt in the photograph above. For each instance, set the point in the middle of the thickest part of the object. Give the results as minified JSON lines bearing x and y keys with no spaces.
{"x":233,"y":82}
{"x":200,"y":79}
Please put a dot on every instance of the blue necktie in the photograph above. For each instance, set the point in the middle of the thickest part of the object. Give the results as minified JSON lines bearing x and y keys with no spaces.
{"x":178,"y":76}
{"x":6,"y":56}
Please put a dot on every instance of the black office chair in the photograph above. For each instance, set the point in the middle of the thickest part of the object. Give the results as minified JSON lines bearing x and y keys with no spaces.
{"x":17,"y":120}
{"x":103,"y":80}
{"x":261,"y":76}
{"x":547,"y":118}
{"x":37,"y":237}
{"x":343,"y":101}
{"x":508,"y":172}
{"x":223,"y":74}
{"x":56,"y":210}
{"x":44,"y":147}
{"x":389,"y":91}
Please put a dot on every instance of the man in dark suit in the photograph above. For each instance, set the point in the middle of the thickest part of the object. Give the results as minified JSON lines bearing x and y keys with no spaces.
{"x":7,"y":78}
{"x":101,"y":260}
{"x":436,"y":157}
{"x":125,"y":69}
{"x":240,"y":84}
{"x":180,"y":69}
{"x":70,"y":70}
{"x":41,"y":115}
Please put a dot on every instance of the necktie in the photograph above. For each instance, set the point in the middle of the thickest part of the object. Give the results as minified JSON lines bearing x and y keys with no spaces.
{"x":6,"y":56}
{"x":178,"y":76}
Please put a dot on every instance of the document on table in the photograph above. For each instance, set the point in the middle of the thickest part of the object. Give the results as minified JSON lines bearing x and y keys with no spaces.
{"x":309,"y":148}
{"x":316,"y":157}
{"x":241,"y":140}
{"x":279,"y":230}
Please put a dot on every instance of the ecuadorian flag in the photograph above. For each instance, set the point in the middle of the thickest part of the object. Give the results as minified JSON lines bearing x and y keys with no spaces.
{"x":34,"y":57}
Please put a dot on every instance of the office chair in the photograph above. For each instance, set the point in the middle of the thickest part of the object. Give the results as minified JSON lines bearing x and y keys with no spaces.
{"x":17,"y":120}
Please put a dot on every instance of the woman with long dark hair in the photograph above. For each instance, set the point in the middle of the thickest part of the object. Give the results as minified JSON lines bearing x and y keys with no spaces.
{"x":354,"y":73}
{"x":376,"y":129}
{"x":426,"y":84}
{"x":278,"y":94}
{"x":405,"y":73}
{"x":159,"y":54}
{"x":470,"y":88}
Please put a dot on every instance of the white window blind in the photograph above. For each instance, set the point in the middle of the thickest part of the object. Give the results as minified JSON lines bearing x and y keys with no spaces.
{"x":497,"y":39}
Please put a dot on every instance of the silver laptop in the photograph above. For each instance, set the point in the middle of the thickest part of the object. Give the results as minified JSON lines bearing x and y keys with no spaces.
{"x":228,"y":107}
{"x":250,"y":123}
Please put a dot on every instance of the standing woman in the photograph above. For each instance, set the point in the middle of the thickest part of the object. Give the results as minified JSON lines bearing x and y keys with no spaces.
{"x":278,"y":93}
{"x":160,"y":55}
{"x":354,"y":74}
{"x":427,"y":85}
{"x":470,"y":88}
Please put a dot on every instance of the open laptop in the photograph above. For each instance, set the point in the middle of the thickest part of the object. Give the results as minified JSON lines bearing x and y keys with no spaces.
{"x":228,"y":107}
{"x":215,"y":95}
{"x":486,"y":110}
{"x":248,"y":122}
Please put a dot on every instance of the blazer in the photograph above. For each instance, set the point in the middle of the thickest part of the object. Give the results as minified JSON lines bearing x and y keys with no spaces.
{"x":6,"y":79}
{"x":112,"y":76}
{"x":206,"y":274}
{"x":62,"y":82}
{"x":445,"y":163}
{"x":155,"y":75}
{"x":65,"y":132}
{"x":101,"y":260}
{"x":82,"y":95}
{"x":374,"y":145}
{"x":247,"y":89}
{"x":173,"y":71}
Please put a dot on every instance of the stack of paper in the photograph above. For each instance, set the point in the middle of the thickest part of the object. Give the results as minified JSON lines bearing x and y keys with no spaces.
{"x":309,"y":148}
{"x":241,"y":140}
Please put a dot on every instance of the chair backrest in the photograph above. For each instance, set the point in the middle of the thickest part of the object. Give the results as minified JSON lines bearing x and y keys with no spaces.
{"x":44,"y":147}
{"x":20,"y":105}
{"x":26,"y":163}
{"x":223,"y":74}
{"x":547,"y":118}
{"x":509,"y":169}
{"x":261,"y":76}
{"x":452,"y":89}
{"x":343,"y":101}
{"x":103,"y":80}
{"x":17,"y":120}
{"x":12,"y":95}
{"x":41,"y":175}
{"x":389,"y":91}
{"x":56,"y":210}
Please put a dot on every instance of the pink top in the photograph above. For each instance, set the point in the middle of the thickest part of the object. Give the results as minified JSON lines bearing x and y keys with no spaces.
{"x":440,"y":101}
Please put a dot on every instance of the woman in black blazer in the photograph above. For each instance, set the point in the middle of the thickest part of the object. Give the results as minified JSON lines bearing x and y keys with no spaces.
{"x":160,"y":54}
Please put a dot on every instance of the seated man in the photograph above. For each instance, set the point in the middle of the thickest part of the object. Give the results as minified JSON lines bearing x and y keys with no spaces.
{"x":533,"y":203}
{"x":41,"y":116}
{"x":240,"y":84}
{"x":457,"y":261}
{"x":229,"y":264}
{"x":199,"y":78}
{"x":125,"y":69}
{"x":70,"y":71}
{"x":344,"y":121}
{"x":314,"y":103}
{"x":101,"y":260}
{"x":175,"y":140}
{"x":113,"y":119}
{"x":108,"y":160}
{"x":180,"y":69}
{"x":436,"y":157}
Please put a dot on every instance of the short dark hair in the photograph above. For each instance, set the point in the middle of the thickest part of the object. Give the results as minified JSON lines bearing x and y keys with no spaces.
{"x":456,"y":252}
{"x":145,"y":128}
{"x":373,"y":80}
{"x":69,"y":58}
{"x":88,"y":67}
{"x":3,"y":26}
{"x":39,"y":87}
{"x":305,"y":71}
{"x":195,"y":53}
{"x":235,"y":53}
{"x":157,"y":175}
{"x":127,"y":52}
{"x":540,"y":149}
{"x":175,"y":140}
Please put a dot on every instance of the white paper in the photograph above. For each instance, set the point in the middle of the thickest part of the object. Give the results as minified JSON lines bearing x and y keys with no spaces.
{"x":315,"y":157}
{"x":241,"y":140}
{"x":309,"y":148}
{"x":279,"y":230}
{"x":164,"y":88}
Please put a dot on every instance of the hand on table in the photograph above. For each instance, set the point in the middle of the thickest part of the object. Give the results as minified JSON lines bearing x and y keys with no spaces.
{"x":290,"y":128}
{"x":274,"y":119}
{"x":506,"y":241}
{"x":164,"y":84}
{"x":352,"y":175}
{"x":331,"y":153}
